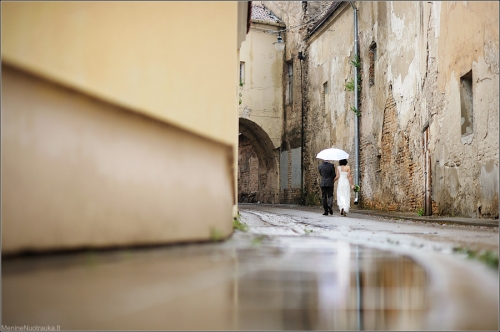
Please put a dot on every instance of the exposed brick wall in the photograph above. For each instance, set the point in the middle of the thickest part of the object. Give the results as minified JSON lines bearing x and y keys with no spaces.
{"x":400,"y":177}
{"x":290,"y":196}
{"x":248,"y":171}
{"x":371,"y":69}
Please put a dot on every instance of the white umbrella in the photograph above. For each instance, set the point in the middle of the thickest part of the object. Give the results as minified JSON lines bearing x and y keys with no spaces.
{"x":332,"y":154}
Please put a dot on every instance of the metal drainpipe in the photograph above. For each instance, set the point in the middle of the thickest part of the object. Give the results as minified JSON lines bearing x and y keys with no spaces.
{"x":427,"y":173}
{"x":303,"y":201}
{"x":356,"y":104}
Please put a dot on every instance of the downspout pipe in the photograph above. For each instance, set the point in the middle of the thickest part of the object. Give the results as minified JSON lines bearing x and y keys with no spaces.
{"x":303,"y":201}
{"x":356,"y":105}
{"x":427,"y":173}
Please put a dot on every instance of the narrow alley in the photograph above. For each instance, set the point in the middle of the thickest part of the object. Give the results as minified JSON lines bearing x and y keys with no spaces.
{"x":171,"y":165}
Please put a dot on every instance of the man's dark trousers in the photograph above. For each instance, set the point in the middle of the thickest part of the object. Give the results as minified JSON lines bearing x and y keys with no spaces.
{"x":327,"y":172}
{"x":327,"y":195}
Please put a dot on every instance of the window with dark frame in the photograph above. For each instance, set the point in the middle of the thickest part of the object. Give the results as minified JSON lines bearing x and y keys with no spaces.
{"x":242,"y":72}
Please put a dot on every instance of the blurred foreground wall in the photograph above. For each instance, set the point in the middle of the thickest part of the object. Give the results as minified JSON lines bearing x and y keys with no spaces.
{"x":119,"y":122}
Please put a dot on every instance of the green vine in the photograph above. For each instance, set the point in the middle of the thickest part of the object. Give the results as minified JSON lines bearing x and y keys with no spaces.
{"x":356,"y":111}
{"x":350,"y":85}
{"x":356,"y":62}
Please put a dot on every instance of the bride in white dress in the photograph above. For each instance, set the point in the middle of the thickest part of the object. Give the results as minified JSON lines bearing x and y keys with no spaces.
{"x":344,"y":187}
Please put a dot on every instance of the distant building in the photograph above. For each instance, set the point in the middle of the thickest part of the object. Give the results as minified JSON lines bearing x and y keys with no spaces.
{"x":260,"y":110}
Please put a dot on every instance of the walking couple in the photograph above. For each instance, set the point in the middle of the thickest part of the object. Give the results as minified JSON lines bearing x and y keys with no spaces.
{"x":344,"y":187}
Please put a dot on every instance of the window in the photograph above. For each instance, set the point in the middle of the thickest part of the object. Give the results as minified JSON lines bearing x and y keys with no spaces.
{"x":289,"y":83}
{"x":372,"y":53}
{"x":242,"y":73}
{"x":466,"y":104}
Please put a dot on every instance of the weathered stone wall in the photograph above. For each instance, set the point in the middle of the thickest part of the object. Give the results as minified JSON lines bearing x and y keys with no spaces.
{"x":391,"y":150}
{"x":329,"y":120}
{"x":257,"y":165}
{"x":412,"y":55}
{"x":292,"y":14}
{"x":422,"y":72}
{"x":295,"y":14}
{"x":465,"y":167}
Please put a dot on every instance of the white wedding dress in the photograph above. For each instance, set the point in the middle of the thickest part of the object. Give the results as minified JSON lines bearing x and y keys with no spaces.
{"x":343,"y":192}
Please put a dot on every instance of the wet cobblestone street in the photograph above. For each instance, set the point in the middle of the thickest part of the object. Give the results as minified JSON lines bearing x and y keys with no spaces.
{"x":291,"y":270}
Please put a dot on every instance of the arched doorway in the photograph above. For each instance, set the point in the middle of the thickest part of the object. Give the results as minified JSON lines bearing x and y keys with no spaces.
{"x":258,"y":178}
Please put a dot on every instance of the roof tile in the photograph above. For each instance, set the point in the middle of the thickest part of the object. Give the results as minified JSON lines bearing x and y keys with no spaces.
{"x":260,"y":12}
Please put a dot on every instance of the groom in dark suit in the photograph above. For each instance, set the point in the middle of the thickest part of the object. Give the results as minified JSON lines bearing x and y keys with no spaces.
{"x":327,"y":171}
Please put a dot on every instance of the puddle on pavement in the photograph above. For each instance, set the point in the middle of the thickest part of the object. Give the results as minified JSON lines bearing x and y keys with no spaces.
{"x":333,"y":286}
{"x":349,"y":288}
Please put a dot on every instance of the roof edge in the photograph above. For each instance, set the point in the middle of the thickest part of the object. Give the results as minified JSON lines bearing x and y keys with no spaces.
{"x":335,"y":6}
{"x":276,"y":24}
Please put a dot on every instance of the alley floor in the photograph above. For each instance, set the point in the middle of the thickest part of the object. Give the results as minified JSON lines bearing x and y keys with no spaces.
{"x":291,"y":269}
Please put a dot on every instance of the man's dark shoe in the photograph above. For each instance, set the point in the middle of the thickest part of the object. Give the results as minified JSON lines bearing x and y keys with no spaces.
{"x":326,"y":213}
{"x":330,"y":210}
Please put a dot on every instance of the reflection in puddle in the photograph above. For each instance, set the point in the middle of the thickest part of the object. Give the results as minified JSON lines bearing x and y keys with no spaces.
{"x":350,"y":289}
{"x":332,"y":286}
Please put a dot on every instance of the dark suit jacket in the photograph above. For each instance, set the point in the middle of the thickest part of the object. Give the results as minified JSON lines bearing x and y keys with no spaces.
{"x":327,"y":172}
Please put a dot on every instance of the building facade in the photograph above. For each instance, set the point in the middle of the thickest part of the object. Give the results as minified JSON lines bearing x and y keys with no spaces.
{"x":260,"y":110}
{"x":426,"y":118}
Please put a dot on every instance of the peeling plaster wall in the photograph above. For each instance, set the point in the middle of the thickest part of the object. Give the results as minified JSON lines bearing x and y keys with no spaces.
{"x":329,"y":121}
{"x":391,"y":155}
{"x":466,"y":171}
{"x":422,"y":51}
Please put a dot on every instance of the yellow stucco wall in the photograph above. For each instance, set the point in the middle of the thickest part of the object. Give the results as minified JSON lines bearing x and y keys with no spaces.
{"x":170,"y":60}
{"x":119,"y":122}
{"x":78,"y":172}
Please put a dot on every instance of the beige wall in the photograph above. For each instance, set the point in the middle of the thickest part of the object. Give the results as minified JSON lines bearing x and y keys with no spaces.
{"x":262,"y":92}
{"x":466,"y":168}
{"x":146,"y":56}
{"x":119,"y":127}
{"x":261,"y":115}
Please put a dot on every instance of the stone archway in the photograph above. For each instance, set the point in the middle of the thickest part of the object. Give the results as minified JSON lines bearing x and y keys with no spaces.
{"x":258,"y":178}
